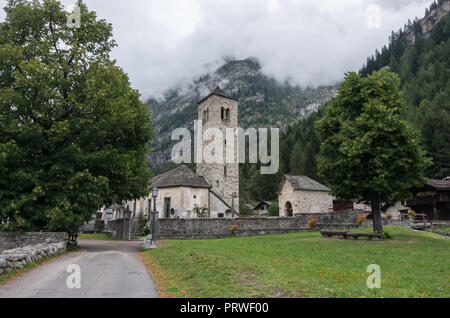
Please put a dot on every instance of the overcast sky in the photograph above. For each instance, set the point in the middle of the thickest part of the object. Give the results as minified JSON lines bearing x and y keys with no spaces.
{"x":309,"y":42}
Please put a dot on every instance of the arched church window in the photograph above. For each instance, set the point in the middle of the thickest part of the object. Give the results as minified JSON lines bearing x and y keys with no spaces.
{"x":222,"y":115}
{"x":225,"y":171}
{"x":228,"y":114}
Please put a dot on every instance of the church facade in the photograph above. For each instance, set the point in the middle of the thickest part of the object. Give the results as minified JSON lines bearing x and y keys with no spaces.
{"x":213,"y":191}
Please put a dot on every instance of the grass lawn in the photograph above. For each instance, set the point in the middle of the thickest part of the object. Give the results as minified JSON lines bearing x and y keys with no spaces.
{"x":96,"y":237}
{"x":413,"y":264}
{"x":443,"y":229}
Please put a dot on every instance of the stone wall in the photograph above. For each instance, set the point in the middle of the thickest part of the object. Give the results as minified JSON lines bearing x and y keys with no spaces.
{"x":19,"y":257}
{"x":16,"y":240}
{"x":217,"y":228}
{"x":438,"y":224}
{"x":20,"y":249}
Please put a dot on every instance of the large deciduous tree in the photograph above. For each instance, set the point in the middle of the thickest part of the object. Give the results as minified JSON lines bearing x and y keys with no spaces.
{"x":369,"y":152}
{"x":73,"y":133}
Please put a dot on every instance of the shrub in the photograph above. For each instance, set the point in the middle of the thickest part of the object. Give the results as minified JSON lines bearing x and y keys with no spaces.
{"x":361,"y":218}
{"x":200,"y":212}
{"x":312,"y":223}
{"x":142,"y":226}
{"x":389,"y":216}
{"x":245,"y":211}
{"x":233,"y":229}
{"x":412,"y":215}
{"x":274,"y":209}
{"x":387,"y":234}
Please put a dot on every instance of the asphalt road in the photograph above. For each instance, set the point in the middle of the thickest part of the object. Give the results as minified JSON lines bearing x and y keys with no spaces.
{"x":107,"y":270}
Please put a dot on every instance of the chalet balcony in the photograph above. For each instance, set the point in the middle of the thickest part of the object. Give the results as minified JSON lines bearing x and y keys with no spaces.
{"x":440,"y":198}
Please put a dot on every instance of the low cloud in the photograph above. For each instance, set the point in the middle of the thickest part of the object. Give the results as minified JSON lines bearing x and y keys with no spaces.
{"x":163,"y":42}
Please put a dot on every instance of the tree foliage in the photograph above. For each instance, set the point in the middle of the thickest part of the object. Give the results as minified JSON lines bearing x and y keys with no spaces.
{"x":422,"y":63}
{"x":369,"y":152}
{"x":73,"y":133}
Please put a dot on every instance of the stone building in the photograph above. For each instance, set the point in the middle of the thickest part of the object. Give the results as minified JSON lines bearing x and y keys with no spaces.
{"x":212,"y":192}
{"x":185,"y":195}
{"x":300,"y":194}
{"x":398,"y":210}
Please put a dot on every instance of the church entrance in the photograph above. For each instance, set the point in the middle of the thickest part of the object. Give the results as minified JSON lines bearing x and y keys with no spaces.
{"x":167,"y":208}
{"x":289,"y":212}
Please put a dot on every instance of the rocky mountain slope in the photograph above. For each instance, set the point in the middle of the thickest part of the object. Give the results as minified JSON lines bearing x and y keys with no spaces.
{"x":263,"y":102}
{"x":432,"y":17}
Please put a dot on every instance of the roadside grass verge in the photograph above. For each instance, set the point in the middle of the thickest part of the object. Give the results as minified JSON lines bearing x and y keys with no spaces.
{"x":413,"y":264}
{"x":16,"y":273}
{"x":96,"y":237}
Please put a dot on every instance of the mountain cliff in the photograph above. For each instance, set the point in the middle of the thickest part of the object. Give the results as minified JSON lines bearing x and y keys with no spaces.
{"x":263,"y":102}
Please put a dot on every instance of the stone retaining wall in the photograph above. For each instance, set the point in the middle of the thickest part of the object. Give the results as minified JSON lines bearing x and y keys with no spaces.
{"x":16,"y":240}
{"x":19,"y":257}
{"x":217,"y":228}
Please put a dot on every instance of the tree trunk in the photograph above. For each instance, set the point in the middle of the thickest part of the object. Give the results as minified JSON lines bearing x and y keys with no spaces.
{"x":376,"y":215}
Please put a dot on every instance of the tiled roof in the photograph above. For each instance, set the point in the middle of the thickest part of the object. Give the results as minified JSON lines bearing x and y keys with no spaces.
{"x":305,"y":183}
{"x":181,"y":176}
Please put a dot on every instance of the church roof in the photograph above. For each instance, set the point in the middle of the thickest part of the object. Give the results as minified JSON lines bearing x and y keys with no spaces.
{"x":218,"y":92}
{"x":181,"y":176}
{"x":304,"y":183}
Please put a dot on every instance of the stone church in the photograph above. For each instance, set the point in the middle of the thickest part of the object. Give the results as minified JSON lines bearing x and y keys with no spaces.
{"x":213,"y":191}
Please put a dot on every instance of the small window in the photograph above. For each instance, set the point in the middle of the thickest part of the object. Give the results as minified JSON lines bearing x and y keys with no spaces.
{"x":222,"y":114}
{"x":221,"y":215}
{"x":228,"y":114}
{"x":225,"y":171}
{"x":195,"y":197}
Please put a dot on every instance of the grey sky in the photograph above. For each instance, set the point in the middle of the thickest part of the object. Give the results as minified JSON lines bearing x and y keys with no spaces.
{"x":309,"y":42}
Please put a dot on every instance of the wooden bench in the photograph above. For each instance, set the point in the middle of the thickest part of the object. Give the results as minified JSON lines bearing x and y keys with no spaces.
{"x":351,"y":236}
{"x":334,"y":233}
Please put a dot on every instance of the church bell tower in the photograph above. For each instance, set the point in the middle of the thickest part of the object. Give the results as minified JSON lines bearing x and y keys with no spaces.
{"x":219,"y":112}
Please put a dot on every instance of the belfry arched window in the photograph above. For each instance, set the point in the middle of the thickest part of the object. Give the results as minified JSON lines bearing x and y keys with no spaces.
{"x":205,"y":116}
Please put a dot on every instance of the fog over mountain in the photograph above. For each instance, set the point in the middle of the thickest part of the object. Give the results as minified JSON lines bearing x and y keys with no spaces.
{"x":163,"y":42}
